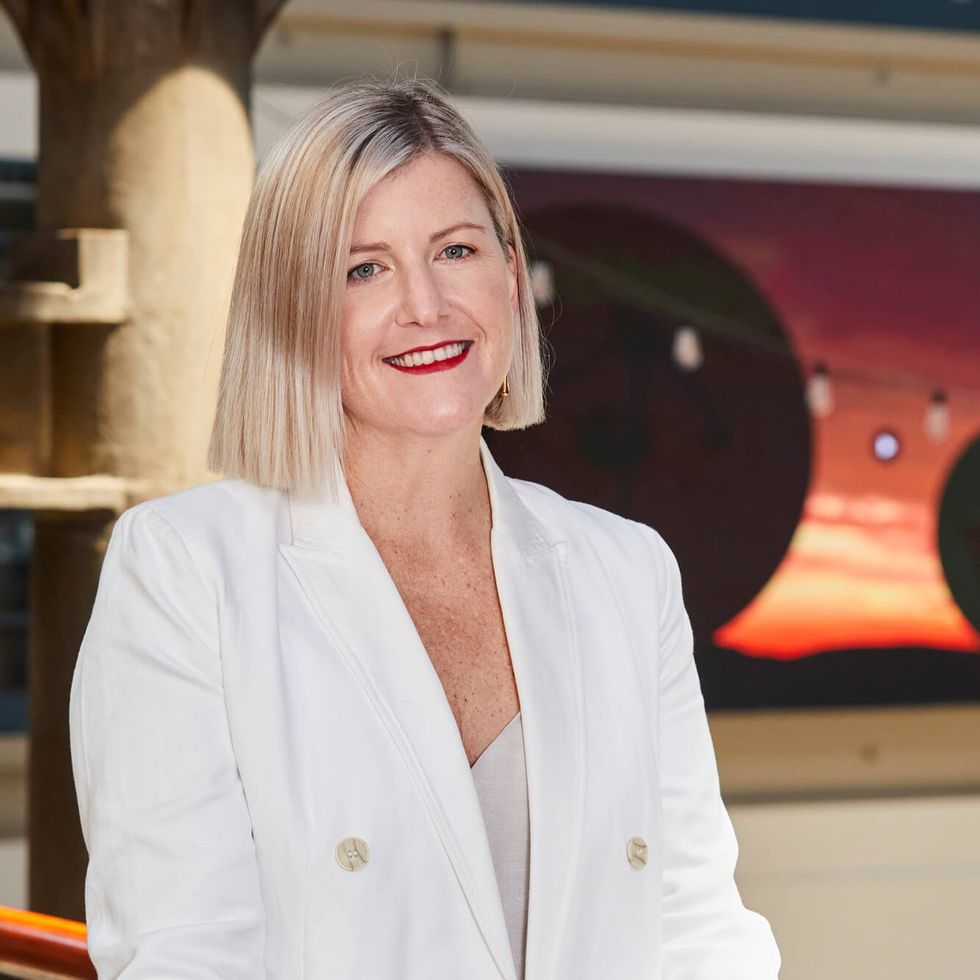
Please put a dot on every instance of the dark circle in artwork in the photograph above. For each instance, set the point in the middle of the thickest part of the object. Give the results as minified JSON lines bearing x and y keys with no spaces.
{"x":959,"y":532}
{"x":717,"y":459}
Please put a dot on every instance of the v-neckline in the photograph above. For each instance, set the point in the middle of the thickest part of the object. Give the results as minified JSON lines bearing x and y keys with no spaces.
{"x":496,"y":739}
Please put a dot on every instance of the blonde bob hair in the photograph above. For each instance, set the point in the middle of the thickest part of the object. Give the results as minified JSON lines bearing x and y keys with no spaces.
{"x":279,"y":420}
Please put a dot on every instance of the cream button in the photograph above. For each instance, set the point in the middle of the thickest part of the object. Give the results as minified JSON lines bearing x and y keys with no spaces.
{"x":352,"y":853}
{"x":636,"y":852}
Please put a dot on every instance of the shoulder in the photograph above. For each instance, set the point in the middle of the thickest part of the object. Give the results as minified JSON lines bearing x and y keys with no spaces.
{"x":217,"y":500}
{"x":212,"y":521}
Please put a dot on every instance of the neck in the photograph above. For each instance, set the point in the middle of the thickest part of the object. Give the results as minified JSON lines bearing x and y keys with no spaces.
{"x":428,"y":493}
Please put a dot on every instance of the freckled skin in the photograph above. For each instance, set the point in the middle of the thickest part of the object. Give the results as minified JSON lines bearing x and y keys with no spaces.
{"x":412,"y":462}
{"x":454,"y":605}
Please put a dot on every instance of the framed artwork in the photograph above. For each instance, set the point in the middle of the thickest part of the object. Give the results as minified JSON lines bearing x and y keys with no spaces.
{"x":778,"y":367}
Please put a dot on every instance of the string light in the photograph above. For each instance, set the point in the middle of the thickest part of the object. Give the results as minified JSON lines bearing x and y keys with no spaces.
{"x":689,"y":316}
{"x":819,"y":393}
{"x":542,"y":283}
{"x":936,"y":421}
{"x":688,"y":354}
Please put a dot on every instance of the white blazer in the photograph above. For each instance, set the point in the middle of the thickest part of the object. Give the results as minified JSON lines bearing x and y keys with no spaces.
{"x":251,"y":693}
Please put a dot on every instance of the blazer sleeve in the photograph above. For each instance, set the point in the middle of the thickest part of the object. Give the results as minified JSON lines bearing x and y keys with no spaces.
{"x":172,"y":887}
{"x":708,"y":934}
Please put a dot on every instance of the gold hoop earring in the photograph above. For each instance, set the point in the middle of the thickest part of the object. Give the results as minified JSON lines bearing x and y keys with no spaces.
{"x":504,"y":390}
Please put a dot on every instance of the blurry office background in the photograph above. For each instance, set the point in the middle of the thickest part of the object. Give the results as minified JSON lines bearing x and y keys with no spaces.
{"x":754,"y":230}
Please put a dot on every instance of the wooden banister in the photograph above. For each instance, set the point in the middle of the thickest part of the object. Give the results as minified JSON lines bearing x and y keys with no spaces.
{"x":34,"y":946}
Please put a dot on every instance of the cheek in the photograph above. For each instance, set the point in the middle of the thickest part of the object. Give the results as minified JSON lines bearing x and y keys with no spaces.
{"x":490,"y":300}
{"x":354,"y":374}
{"x":347,"y":352}
{"x":358,"y":333}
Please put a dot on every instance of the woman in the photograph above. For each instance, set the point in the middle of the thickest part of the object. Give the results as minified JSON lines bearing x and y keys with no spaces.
{"x":293,"y":676}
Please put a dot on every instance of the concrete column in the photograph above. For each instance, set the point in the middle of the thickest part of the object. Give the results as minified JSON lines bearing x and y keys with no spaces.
{"x":144,"y":126}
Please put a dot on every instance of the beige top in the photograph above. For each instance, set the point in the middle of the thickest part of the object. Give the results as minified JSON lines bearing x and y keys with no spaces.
{"x":501,"y":784}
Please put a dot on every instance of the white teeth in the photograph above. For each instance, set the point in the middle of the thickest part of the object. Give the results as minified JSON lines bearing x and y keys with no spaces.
{"x":428,"y":356}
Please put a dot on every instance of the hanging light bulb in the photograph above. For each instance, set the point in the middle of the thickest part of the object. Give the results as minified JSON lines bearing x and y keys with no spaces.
{"x":937,"y":416}
{"x":542,"y":283}
{"x":687,"y":349}
{"x":819,"y":394}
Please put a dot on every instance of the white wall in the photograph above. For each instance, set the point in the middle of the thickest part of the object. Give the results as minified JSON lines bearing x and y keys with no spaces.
{"x":866,"y":890}
{"x":13,"y":872}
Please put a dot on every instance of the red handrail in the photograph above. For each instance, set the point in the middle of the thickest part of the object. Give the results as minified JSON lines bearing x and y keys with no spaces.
{"x":43,"y":947}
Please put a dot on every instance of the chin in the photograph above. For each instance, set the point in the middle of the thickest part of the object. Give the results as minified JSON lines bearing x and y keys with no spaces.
{"x":440,"y":422}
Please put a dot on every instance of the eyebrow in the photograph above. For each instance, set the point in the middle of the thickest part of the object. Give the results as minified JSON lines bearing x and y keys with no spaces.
{"x":433,"y":238}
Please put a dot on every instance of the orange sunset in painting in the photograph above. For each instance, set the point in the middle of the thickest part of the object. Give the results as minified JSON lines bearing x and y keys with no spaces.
{"x":862,"y":570}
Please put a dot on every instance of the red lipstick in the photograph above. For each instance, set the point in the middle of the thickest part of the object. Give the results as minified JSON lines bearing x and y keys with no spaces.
{"x":442,"y":343}
{"x":447,"y":365}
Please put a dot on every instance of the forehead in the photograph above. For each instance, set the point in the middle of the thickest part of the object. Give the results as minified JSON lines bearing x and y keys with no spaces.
{"x":429,"y":188}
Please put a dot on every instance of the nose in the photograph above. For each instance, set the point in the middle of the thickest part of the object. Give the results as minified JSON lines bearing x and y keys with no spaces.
{"x":422,"y":299}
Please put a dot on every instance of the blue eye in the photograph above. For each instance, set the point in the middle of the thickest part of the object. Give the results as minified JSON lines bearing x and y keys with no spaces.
{"x":363,"y":265}
{"x":367,"y":265}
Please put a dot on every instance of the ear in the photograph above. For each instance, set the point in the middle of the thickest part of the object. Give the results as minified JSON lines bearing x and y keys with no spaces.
{"x":512,"y":278}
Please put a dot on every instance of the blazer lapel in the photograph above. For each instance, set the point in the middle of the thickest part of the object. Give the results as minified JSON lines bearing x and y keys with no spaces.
{"x":360,"y":609}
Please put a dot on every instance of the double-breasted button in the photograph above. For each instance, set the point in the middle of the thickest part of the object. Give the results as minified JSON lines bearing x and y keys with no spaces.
{"x":636,"y":852}
{"x":352,"y":853}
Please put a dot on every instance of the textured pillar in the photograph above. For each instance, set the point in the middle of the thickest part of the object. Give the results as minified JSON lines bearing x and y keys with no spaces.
{"x":144,"y":126}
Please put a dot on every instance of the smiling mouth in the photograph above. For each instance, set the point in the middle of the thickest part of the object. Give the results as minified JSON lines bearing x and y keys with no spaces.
{"x":419,"y":357}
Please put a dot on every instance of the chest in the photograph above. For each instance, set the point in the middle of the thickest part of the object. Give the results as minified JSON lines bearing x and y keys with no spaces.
{"x":456,"y":611}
